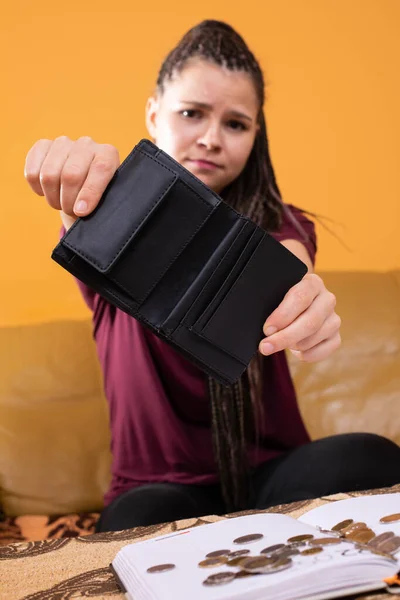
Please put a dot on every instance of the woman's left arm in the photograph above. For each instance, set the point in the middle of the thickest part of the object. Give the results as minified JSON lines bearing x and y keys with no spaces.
{"x":305,"y":322}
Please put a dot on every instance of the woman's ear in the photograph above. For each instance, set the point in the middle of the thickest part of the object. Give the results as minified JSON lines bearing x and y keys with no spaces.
{"x":151,"y":116}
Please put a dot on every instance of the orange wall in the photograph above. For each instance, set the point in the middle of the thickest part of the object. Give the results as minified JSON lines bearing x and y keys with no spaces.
{"x":86,"y":68}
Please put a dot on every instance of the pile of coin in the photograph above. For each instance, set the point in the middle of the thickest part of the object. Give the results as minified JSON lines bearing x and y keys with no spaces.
{"x":278,"y":557}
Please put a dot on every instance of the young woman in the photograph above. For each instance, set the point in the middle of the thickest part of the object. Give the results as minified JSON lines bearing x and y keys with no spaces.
{"x":182,"y":444}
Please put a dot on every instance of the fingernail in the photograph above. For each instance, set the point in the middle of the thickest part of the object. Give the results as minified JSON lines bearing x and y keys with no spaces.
{"x":267,"y":348}
{"x":270,"y":330}
{"x":81,"y":206}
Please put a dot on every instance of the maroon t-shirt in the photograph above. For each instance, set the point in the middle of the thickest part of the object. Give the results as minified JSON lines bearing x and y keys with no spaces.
{"x":159,"y":409}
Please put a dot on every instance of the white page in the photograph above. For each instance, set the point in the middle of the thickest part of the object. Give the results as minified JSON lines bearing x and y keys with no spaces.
{"x":186,"y":549}
{"x":367,"y":509}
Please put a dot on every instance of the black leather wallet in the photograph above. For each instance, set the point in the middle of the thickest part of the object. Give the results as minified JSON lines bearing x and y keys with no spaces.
{"x":167,"y":250}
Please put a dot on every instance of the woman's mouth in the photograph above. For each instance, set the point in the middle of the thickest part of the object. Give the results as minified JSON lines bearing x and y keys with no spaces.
{"x":204,"y":165}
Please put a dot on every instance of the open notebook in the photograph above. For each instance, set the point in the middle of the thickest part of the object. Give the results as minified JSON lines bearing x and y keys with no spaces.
{"x":176,"y":566}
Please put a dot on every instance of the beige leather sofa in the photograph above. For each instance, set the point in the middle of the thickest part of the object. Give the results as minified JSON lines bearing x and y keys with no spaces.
{"x":54,"y":439}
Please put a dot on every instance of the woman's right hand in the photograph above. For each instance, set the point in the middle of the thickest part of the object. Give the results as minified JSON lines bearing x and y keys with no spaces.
{"x":72,"y":175}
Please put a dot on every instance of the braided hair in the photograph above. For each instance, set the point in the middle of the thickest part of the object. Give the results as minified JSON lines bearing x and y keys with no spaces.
{"x":254,"y":193}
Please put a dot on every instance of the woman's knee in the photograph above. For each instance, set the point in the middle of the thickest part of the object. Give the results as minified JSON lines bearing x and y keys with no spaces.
{"x":147,"y":505}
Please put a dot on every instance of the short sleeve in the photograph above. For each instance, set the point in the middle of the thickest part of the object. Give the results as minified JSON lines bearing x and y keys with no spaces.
{"x":304,"y":233}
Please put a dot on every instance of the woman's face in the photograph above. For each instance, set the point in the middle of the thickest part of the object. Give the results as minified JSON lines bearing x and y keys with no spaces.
{"x":207,"y":120}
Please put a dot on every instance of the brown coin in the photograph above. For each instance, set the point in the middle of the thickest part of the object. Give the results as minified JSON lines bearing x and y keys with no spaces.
{"x":342,"y":525}
{"x":390,"y":546}
{"x":390,"y":518}
{"x":271,"y":549}
{"x":236,"y":562}
{"x":213,"y":562}
{"x":328,"y":541}
{"x":161,"y":568}
{"x":313,"y":550}
{"x":236,"y":553}
{"x":300,"y":538}
{"x":363,"y":536}
{"x":353,"y":527}
{"x":254,"y":564}
{"x":217,"y":553}
{"x":248,"y":539}
{"x":220,"y":578}
{"x":379,"y":539}
{"x":379,"y":553}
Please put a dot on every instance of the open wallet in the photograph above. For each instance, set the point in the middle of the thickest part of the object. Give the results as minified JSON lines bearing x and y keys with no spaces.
{"x":167,"y":250}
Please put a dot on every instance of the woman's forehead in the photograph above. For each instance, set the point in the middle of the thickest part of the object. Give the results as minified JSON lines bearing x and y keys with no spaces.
{"x":202,"y":81}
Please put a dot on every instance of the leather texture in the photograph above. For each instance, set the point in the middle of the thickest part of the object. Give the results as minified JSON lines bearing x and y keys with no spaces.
{"x":167,"y":250}
{"x":54,"y":434}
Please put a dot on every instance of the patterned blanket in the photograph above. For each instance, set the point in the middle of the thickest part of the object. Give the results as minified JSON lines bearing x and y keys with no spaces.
{"x":72,"y":565}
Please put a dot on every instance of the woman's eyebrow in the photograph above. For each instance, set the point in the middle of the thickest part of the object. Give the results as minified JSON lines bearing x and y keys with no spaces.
{"x":206,"y":106}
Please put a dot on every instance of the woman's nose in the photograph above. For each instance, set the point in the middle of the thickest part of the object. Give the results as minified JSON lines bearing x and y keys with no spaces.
{"x":211,"y":138}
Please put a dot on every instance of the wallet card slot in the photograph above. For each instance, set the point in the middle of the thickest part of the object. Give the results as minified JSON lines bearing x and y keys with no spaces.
{"x":132,"y":196}
{"x":236,"y":323}
{"x":204,"y":273}
{"x":222,"y":279}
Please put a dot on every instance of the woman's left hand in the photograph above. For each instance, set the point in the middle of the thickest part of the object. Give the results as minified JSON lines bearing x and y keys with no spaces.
{"x":305,"y":322}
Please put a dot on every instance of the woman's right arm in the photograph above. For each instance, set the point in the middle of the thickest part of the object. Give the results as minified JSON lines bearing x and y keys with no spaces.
{"x":72,"y":175}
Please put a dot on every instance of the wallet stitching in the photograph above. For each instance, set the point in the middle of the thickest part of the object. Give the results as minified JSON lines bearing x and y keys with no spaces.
{"x":93,"y":261}
{"x":203,"y":334}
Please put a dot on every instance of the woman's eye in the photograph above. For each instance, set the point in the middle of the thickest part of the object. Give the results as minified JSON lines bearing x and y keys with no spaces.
{"x":190,"y":113}
{"x":237,"y":125}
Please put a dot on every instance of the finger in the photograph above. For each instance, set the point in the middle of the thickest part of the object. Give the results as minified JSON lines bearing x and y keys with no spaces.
{"x":329,"y":328}
{"x":74,"y":173}
{"x":322,"y":350}
{"x":296,"y":301}
{"x":307,"y":324}
{"x":102,"y":170}
{"x":33,"y":164}
{"x":50,"y":173}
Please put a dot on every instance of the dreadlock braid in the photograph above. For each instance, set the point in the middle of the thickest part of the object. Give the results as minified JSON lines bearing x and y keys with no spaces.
{"x":256,"y":194}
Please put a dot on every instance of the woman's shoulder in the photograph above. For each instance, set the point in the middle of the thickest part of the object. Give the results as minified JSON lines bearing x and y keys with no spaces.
{"x":297,"y":225}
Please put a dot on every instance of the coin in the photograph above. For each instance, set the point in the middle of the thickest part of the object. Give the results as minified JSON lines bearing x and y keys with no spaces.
{"x":379,"y":539}
{"x":213,"y":562}
{"x":285,"y":553}
{"x":240,"y":574}
{"x":236,"y":553}
{"x":390,"y":546}
{"x":390,"y":518}
{"x":247,"y":539}
{"x":254,"y":564}
{"x":363,"y":536}
{"x":220,"y":578}
{"x":273,"y":548}
{"x":330,"y":532}
{"x":342,"y":525}
{"x":353,"y":527}
{"x":300,"y":538}
{"x":325,"y":541}
{"x":161,"y":568}
{"x":379,"y":553}
{"x":236,"y":562}
{"x":313,"y":550}
{"x":280,"y":565}
{"x":217,"y":553}
{"x":296,"y":545}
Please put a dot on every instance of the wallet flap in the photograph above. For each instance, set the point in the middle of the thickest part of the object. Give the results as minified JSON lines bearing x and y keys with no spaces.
{"x":138,"y":187}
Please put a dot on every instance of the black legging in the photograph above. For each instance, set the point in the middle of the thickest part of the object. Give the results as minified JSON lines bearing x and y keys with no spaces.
{"x":341,"y":463}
